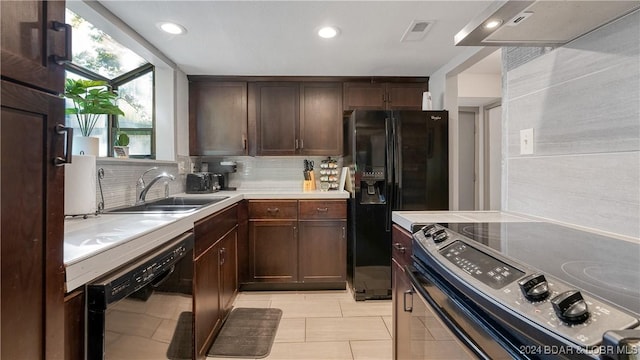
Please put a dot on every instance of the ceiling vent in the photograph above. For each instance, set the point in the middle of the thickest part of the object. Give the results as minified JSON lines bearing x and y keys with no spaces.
{"x":417,"y":30}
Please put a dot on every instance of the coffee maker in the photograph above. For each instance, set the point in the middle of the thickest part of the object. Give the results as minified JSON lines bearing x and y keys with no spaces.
{"x":222,"y":169}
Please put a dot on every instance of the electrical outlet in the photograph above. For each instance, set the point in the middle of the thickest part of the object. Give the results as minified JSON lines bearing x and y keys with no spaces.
{"x":526,"y":141}
{"x":182,"y":167}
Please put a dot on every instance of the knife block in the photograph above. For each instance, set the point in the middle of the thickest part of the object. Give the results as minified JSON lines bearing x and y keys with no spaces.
{"x":309,"y":185}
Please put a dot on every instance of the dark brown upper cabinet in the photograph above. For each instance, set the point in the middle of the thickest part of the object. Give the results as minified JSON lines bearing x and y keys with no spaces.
{"x":34,"y":43}
{"x":384,"y":95}
{"x":218,"y":118}
{"x":33,"y":46}
{"x":295,"y":118}
{"x":274,"y":111}
{"x":320,"y":119}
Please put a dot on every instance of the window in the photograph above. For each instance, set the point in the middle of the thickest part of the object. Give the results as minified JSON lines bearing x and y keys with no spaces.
{"x":97,"y":56}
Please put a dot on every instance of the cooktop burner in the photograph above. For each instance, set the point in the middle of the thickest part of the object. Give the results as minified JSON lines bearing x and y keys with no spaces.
{"x":604,"y":266}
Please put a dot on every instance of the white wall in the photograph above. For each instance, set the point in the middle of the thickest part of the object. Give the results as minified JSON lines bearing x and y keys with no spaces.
{"x":165,"y":114}
{"x":479,"y":85}
{"x":182,"y":114}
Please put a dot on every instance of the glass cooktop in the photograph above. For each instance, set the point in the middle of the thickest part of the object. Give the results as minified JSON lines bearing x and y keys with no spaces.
{"x":604,"y":266}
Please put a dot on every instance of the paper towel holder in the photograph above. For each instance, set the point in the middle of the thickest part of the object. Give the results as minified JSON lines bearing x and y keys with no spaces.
{"x":100,"y":208}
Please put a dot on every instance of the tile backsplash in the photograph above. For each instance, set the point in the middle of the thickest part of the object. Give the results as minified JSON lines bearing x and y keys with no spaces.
{"x":267,"y":172}
{"x":120,"y":178}
{"x":253,"y":173}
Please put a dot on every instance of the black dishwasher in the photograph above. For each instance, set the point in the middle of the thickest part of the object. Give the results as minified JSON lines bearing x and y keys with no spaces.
{"x":143,"y":310}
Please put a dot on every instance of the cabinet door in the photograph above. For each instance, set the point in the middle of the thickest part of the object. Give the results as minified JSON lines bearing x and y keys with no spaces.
{"x":242,"y":250}
{"x":323,"y":251}
{"x":273,"y":252}
{"x":228,"y":270}
{"x":274,"y":108}
{"x":405,"y":96}
{"x":74,"y":325}
{"x":402,"y":300}
{"x":206,"y":300}
{"x":218,"y":118}
{"x":29,"y":41}
{"x":362,"y":95}
{"x":32,"y":223}
{"x":321,"y":119}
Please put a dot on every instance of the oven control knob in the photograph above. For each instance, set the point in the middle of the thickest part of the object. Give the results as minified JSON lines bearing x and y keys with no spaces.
{"x":440,"y":236}
{"x":429,"y":230}
{"x":534,"y":287}
{"x":571,"y":307}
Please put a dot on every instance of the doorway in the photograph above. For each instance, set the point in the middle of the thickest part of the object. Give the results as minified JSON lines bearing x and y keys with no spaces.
{"x":467,"y":118}
{"x":478,"y":86}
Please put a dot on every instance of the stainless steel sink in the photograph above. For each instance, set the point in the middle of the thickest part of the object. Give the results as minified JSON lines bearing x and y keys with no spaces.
{"x":176,"y":204}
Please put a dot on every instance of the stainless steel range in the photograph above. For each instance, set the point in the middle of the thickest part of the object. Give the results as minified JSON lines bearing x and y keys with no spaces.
{"x":540,"y":290}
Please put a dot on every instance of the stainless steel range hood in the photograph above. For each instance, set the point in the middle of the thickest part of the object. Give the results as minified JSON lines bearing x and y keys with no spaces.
{"x":540,"y":23}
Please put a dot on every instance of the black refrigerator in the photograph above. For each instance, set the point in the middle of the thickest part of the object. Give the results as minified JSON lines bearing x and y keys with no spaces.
{"x":398,"y":161}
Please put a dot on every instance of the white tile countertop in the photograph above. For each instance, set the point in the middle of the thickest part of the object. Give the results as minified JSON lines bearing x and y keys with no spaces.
{"x":97,"y":245}
{"x":407,"y":218}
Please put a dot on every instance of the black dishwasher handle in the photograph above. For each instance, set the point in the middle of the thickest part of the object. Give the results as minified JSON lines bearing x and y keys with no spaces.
{"x":162,"y":278}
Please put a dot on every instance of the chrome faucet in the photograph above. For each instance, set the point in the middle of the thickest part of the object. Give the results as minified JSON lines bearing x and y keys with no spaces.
{"x":143,"y":188}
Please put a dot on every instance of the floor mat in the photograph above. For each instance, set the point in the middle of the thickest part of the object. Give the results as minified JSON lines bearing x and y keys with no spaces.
{"x":248,"y":332}
{"x":180,"y":347}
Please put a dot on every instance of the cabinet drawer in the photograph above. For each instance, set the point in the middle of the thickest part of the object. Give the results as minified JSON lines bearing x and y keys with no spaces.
{"x":401,"y":246}
{"x":210,"y":229}
{"x":322,"y":209}
{"x":269,"y":209}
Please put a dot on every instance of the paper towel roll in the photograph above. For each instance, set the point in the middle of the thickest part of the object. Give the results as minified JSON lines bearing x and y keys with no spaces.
{"x":80,"y":185}
{"x":426,"y":101}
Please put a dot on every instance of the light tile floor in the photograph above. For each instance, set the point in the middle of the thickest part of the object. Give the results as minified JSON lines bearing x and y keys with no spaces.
{"x":327,"y":325}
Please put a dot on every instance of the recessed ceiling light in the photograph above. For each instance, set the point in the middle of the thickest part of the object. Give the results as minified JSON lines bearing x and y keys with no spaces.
{"x":172,"y":28}
{"x":328,"y":32}
{"x":492,"y":24}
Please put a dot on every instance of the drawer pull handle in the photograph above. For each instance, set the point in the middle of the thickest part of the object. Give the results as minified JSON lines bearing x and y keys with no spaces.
{"x":322,"y":209}
{"x":273,"y":210}
{"x":404,"y":301}
{"x":399,"y":247}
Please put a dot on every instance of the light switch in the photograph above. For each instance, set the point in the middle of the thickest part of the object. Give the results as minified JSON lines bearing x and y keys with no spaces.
{"x":526,"y":141}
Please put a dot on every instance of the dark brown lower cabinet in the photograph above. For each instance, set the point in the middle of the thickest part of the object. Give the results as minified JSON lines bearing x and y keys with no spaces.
{"x":227,"y":250}
{"x":206,"y":307}
{"x":74,"y":330}
{"x":215,"y":275}
{"x":323,"y":249}
{"x":273,"y":251}
{"x":297,"y":244}
{"x":401,"y":315}
{"x":402,"y":299}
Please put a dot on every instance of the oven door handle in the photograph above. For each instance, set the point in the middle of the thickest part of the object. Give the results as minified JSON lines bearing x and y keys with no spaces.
{"x":450,"y":323}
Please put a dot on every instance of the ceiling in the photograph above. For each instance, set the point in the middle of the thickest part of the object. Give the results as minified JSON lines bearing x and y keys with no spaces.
{"x":279,"y":37}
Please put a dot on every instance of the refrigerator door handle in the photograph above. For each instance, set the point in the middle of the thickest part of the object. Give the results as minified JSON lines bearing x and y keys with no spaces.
{"x":397,"y":160}
{"x":389,"y":156}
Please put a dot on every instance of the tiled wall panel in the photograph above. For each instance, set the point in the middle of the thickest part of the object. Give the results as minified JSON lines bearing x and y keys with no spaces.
{"x":599,"y":191}
{"x":583,"y":101}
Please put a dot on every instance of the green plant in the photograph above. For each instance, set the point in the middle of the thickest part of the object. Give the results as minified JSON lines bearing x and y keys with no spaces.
{"x":91,"y":98}
{"x":122,"y":140}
